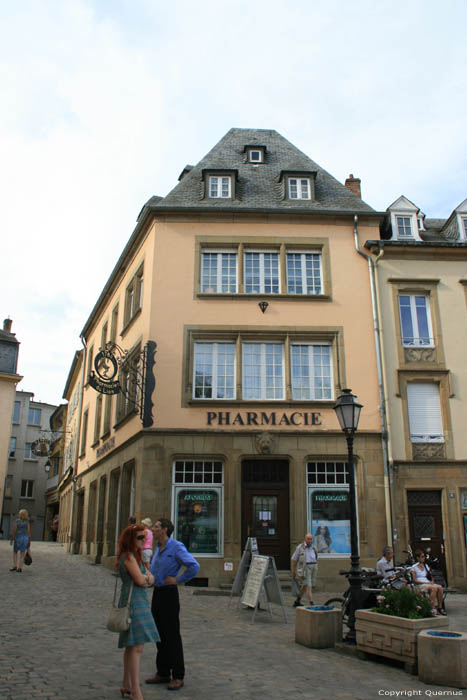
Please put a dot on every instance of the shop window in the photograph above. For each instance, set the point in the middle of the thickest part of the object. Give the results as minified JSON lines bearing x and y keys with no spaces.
{"x":414,"y":311}
{"x":424,"y":409}
{"x":198,"y":506}
{"x":329,"y":507}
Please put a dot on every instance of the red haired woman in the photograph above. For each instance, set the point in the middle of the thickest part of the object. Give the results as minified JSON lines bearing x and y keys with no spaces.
{"x":142,"y":628}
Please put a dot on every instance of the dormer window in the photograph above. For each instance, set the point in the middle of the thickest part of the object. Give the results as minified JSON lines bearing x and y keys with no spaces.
{"x":299,"y":188}
{"x":255,"y":154}
{"x":298,"y":185}
{"x":464,"y":221}
{"x":220,"y":187}
{"x":404,"y":227}
{"x":219,"y":184}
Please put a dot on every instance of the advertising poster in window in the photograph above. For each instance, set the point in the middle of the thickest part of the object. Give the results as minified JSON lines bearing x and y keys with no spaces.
{"x":198,"y":520}
{"x":330,"y":521}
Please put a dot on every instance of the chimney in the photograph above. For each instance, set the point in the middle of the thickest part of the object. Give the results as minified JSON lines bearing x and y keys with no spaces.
{"x":7,"y":325}
{"x":353,"y":183}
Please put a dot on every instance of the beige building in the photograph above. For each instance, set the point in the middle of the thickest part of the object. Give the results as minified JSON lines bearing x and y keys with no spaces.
{"x":247,"y":278}
{"x":421,"y":274}
{"x":9,"y":378}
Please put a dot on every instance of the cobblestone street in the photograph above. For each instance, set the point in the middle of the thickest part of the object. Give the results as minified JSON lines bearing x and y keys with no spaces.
{"x":54,"y":644}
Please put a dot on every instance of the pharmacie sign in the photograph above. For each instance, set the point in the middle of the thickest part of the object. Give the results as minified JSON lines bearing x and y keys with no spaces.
{"x":264,"y":418}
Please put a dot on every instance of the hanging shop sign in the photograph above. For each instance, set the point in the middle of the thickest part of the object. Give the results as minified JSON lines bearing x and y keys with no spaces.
{"x":41,"y":447}
{"x":103,"y":379}
{"x":263,"y":418}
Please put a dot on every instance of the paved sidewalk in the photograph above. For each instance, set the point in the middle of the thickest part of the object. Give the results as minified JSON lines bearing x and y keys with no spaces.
{"x":54,"y":645}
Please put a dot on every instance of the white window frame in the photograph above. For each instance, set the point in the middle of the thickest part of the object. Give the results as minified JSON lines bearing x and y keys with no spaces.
{"x":424,"y":412}
{"x":217,"y":487}
{"x":263,"y":374}
{"x":215,"y":373}
{"x":301,"y":191}
{"x":303,"y":254}
{"x":311,"y":387}
{"x":219,"y":253}
{"x":255,"y":160}
{"x":417,"y":340}
{"x":28,"y":454}
{"x":404,"y":236}
{"x":216,"y":184}
{"x":311,"y":487}
{"x":262,"y":253}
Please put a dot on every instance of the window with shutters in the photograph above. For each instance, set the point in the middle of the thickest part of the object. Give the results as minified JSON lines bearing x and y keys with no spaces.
{"x":424,"y":409}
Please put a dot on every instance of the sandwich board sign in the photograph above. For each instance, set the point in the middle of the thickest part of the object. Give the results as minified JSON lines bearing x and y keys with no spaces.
{"x":251,"y":547}
{"x":262,"y":578}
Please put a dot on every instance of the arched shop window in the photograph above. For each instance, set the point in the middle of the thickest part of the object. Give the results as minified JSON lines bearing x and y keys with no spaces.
{"x":198,"y":506}
{"x":329,"y":508}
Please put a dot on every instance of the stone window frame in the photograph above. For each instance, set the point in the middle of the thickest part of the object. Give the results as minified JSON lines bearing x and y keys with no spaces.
{"x":443,"y":379}
{"x":133,"y":298}
{"x":255,"y":243}
{"x":332,"y":336}
{"x":423,"y":357}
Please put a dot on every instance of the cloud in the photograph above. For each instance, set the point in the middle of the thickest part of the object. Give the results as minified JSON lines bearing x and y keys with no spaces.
{"x":102,"y":104}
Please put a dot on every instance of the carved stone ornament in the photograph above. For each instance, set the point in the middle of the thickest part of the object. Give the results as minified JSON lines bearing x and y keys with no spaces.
{"x":420,"y":354}
{"x":265,"y":443}
{"x":429,"y":451}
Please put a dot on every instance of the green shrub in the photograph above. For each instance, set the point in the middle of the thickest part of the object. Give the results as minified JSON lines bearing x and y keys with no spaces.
{"x":404,"y":603}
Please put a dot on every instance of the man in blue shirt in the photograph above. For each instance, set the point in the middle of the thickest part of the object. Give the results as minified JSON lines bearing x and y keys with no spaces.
{"x":170,"y":556}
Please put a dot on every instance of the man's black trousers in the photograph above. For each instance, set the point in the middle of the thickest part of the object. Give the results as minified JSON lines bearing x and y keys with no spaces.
{"x":165,"y":610}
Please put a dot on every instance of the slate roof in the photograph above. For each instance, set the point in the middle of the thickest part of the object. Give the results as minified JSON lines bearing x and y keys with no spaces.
{"x":258,"y":186}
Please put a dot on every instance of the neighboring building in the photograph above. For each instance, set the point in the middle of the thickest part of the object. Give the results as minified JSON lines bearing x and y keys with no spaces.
{"x":422,"y":284}
{"x":27,"y":476}
{"x":58,"y":421}
{"x":247,"y":278}
{"x":73,"y":395}
{"x":9,"y":378}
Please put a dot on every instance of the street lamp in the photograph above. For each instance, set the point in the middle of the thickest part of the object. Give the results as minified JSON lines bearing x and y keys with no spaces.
{"x":348,"y":410}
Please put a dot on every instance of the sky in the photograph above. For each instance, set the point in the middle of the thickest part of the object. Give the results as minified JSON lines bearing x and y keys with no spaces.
{"x":103,"y":102}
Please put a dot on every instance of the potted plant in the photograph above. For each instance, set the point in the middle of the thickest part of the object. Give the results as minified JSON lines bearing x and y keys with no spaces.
{"x":392,"y":627}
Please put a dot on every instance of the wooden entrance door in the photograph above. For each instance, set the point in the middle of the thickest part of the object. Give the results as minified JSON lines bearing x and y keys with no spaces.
{"x":265,"y":508}
{"x":426,"y":524}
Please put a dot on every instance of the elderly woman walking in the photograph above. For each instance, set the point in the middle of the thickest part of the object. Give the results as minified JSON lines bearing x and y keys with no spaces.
{"x":20,"y":538}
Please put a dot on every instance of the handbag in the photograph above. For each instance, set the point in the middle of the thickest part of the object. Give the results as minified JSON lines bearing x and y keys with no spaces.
{"x":28,"y":558}
{"x":119,"y":619}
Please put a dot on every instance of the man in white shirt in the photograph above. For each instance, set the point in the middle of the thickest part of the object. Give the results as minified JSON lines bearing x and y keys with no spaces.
{"x":304,"y":568}
{"x":385,"y":563}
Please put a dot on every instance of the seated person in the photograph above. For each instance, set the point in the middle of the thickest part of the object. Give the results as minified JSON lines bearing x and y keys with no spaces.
{"x":385,"y":563}
{"x":420,"y":572}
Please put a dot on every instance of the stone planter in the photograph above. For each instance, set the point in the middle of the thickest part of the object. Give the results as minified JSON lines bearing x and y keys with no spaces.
{"x":393,"y":637}
{"x":318,"y":627}
{"x":442,"y":658}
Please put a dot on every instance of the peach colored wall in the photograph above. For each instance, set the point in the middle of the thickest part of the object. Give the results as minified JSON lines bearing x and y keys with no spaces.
{"x":138,"y":331}
{"x":174,"y":305}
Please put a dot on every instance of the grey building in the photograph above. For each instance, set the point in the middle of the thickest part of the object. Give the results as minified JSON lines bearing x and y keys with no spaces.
{"x":26,"y":479}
